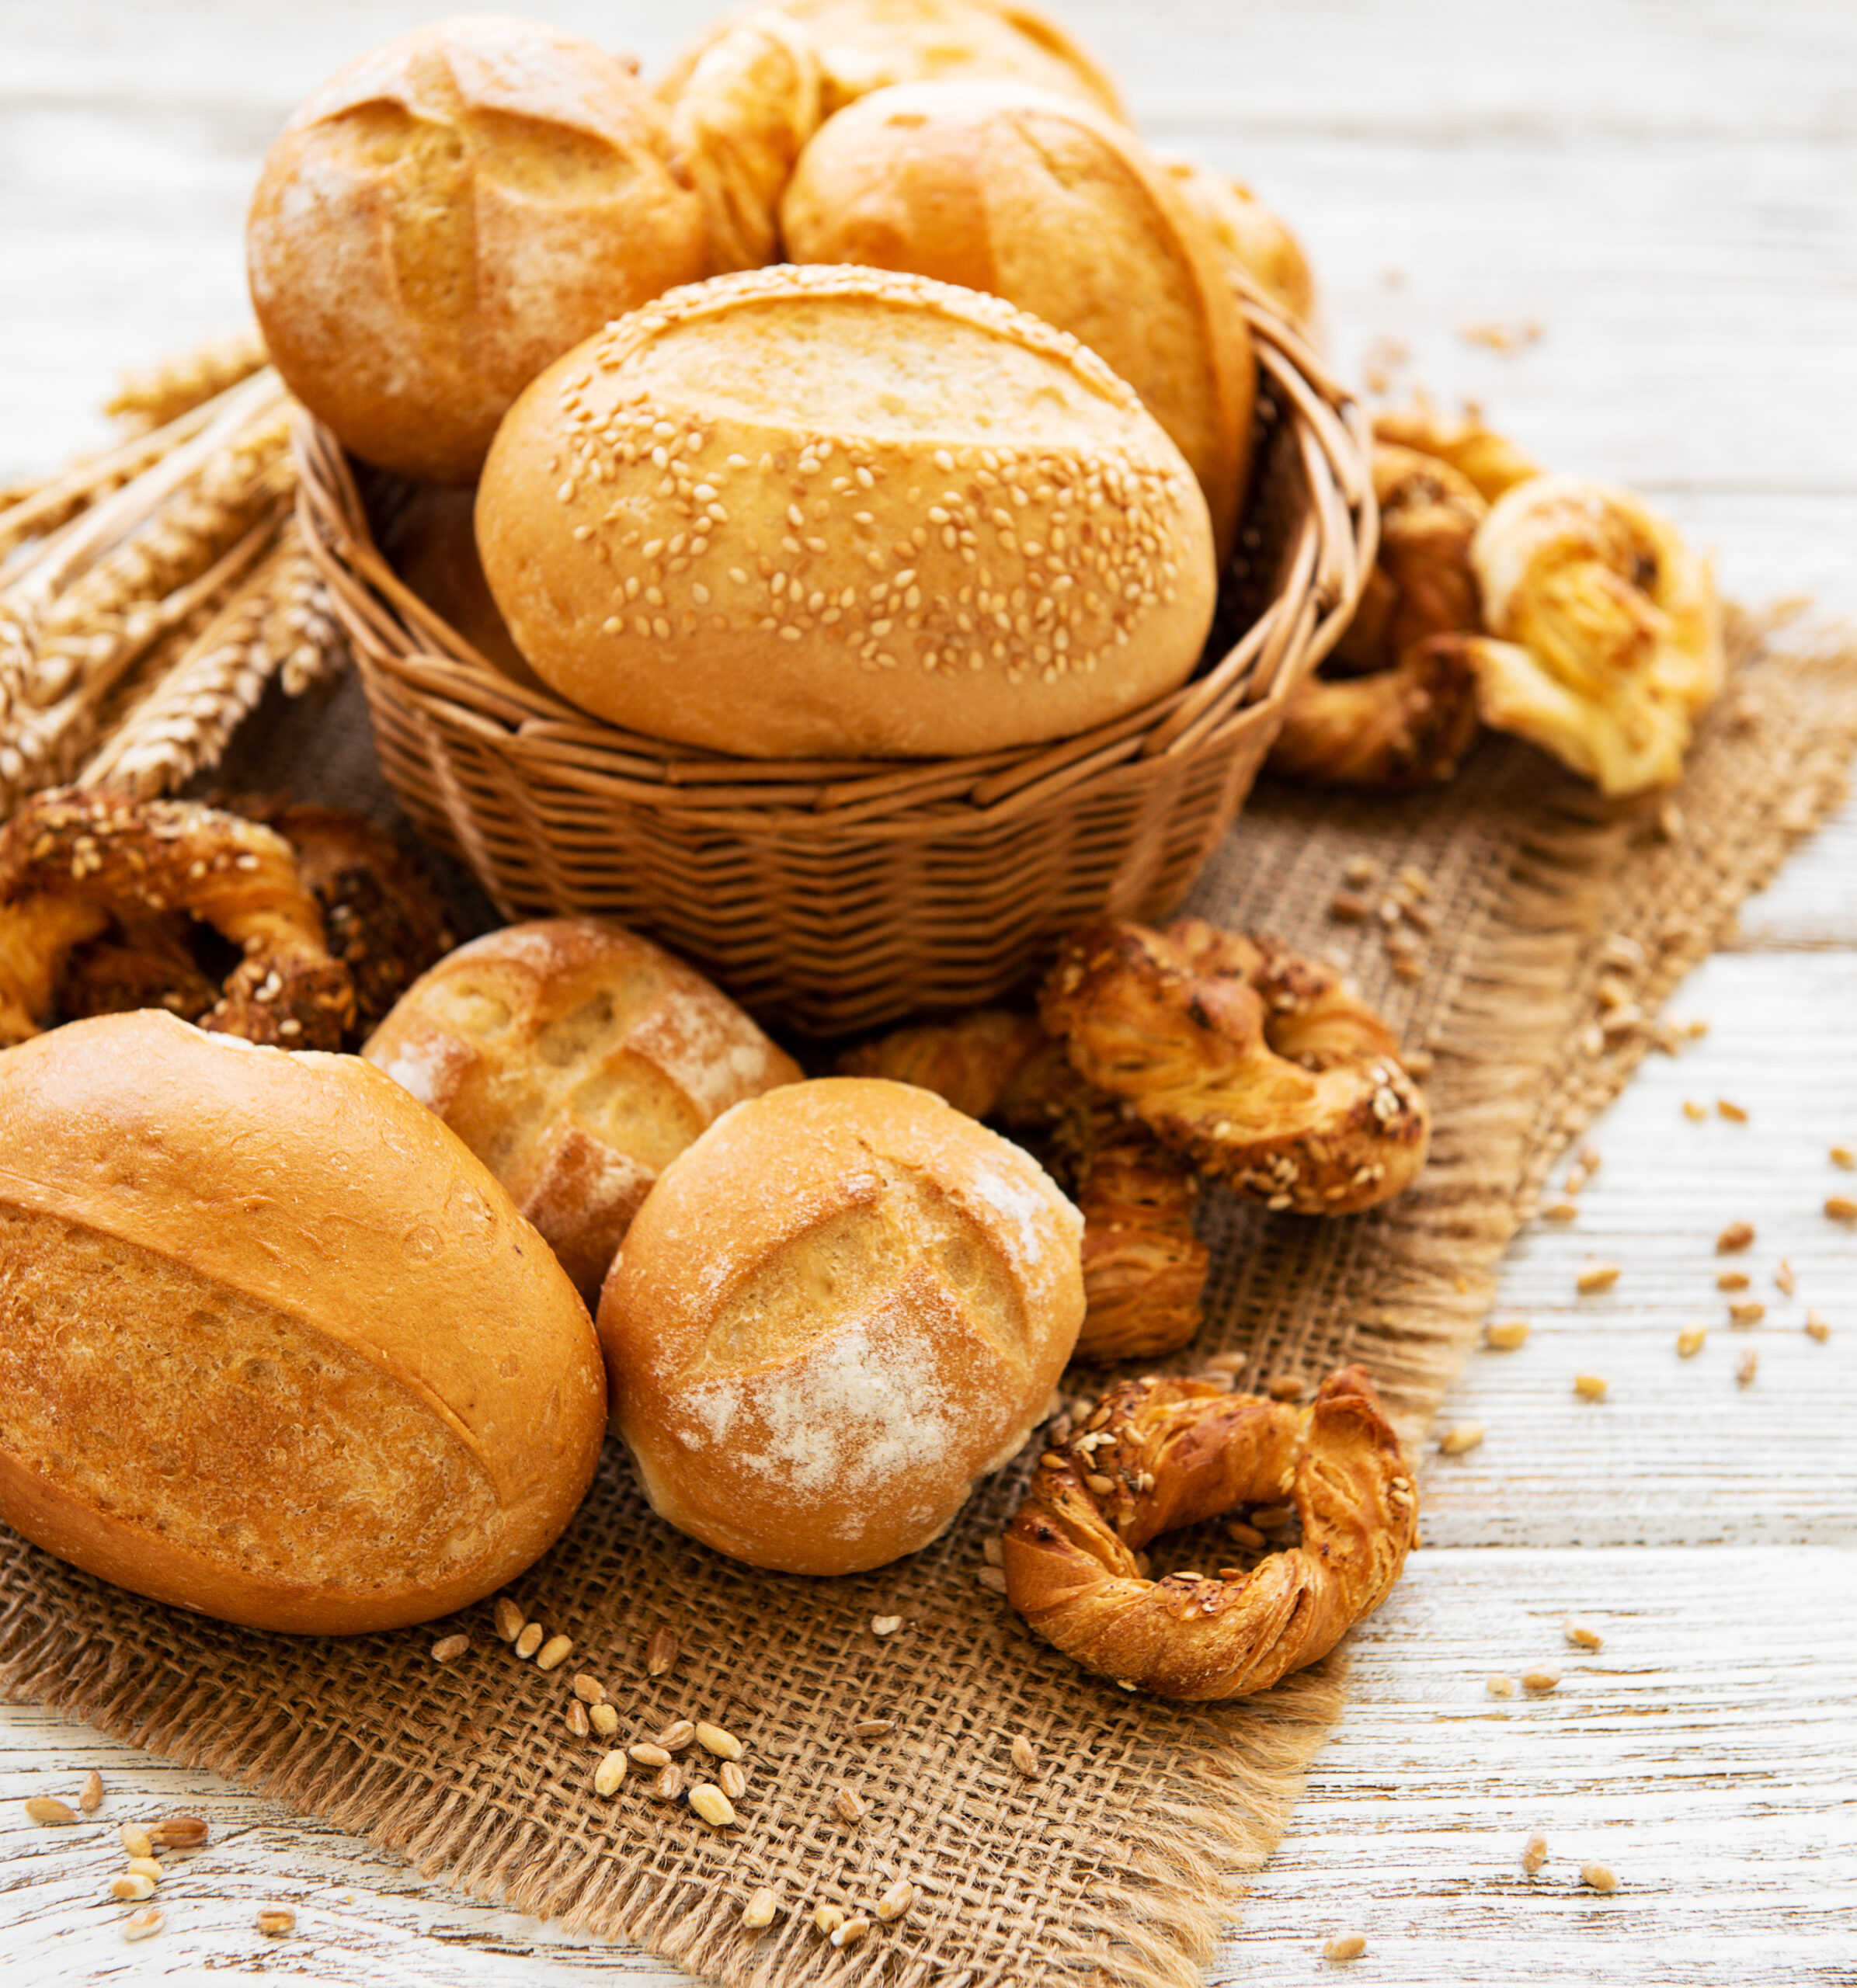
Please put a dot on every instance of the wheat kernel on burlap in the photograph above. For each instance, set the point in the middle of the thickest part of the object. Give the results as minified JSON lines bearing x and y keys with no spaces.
{"x":1533,"y":872}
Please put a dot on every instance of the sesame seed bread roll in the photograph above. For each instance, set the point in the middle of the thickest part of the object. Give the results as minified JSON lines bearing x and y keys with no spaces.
{"x":1059,"y":209}
{"x":274,"y":1347}
{"x":448,"y":214}
{"x":837,"y":512}
{"x":840,"y":1308}
{"x":576,"y":1060}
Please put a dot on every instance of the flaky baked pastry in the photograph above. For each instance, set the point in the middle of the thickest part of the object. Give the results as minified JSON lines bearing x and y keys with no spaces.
{"x":1406,"y":725}
{"x":1144,"y":1268}
{"x":1606,"y":637}
{"x":969,"y":1061}
{"x":1385,"y":709}
{"x":1158,"y":1454}
{"x":1251,"y":1060}
{"x":1491,"y":461}
{"x":381,"y":915}
{"x":70,"y":861}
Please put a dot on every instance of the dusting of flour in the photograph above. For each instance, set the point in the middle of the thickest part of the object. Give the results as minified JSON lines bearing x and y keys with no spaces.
{"x":846,"y":1420}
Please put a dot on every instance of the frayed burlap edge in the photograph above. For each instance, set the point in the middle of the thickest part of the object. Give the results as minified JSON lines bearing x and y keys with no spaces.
{"x":1155,"y":1814}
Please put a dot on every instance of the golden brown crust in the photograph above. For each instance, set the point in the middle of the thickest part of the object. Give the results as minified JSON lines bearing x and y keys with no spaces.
{"x":1408,"y":725}
{"x":1172,"y":1452}
{"x":1390,"y":706}
{"x":447,"y":215}
{"x":969,"y":1061}
{"x":382,"y":917}
{"x":867,"y":45}
{"x":737,"y":125}
{"x":1253,"y":241}
{"x":274,"y":1346}
{"x":823,"y":510}
{"x":1491,"y":462}
{"x":576,"y":1060}
{"x":71,"y":859}
{"x":1250,"y":1059}
{"x":840,"y":1307}
{"x":1001,"y":187}
{"x":1144,"y":1268}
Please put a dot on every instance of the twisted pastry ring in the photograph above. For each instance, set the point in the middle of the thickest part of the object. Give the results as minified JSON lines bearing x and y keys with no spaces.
{"x":1250,"y":1059}
{"x":70,"y":861}
{"x":1161,"y":1453}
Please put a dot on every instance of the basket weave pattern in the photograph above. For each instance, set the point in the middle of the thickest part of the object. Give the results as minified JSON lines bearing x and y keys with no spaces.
{"x":838,"y":895}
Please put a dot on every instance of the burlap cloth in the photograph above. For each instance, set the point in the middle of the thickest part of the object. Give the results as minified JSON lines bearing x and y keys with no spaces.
{"x":1121,"y":1859}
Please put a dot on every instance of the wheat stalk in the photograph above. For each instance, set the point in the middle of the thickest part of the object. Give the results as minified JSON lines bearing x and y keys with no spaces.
{"x":148,"y":596}
{"x":152,"y":397}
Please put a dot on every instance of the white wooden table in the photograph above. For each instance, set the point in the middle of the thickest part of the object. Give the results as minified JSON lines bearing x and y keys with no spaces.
{"x":1669,"y":193}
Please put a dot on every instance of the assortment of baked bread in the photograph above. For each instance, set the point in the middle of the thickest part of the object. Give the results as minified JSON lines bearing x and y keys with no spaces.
{"x":867,"y":389}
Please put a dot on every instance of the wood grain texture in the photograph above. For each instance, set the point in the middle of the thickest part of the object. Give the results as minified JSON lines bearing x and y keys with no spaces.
{"x":1671,"y":195}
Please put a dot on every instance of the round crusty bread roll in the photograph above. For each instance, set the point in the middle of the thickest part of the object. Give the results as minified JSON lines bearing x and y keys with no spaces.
{"x":842,"y":1306}
{"x":576,"y":1060}
{"x":273,"y":1346}
{"x":746,"y":98}
{"x":448,"y":214}
{"x":865,"y":45}
{"x":1253,"y":240}
{"x":1058,"y":208}
{"x":826,"y":511}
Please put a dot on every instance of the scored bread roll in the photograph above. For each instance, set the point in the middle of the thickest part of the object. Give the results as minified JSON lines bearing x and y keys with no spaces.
{"x":840,"y":512}
{"x":844,"y":1304}
{"x":274,"y":1347}
{"x":446,"y":215}
{"x":865,"y":45}
{"x":1059,"y":209}
{"x":576,"y":1060}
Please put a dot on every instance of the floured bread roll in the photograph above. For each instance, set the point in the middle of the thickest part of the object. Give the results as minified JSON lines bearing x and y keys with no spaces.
{"x":446,"y":215}
{"x":838,"y":512}
{"x":273,"y":1346}
{"x":1057,"y":208}
{"x":576,"y":1060}
{"x":842,"y":1306}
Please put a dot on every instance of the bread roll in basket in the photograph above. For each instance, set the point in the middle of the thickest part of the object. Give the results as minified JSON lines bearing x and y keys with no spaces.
{"x":837,"y":894}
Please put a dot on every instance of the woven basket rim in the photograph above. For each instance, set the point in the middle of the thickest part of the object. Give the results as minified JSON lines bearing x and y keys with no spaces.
{"x":438,"y":669}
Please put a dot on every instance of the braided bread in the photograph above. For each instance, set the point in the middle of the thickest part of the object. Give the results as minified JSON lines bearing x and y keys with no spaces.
{"x":1250,"y":1059}
{"x":70,"y":861}
{"x":1162,"y":1454}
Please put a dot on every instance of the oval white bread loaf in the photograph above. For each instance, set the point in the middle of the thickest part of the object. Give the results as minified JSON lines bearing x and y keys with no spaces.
{"x":1060,"y":209}
{"x":576,"y":1060}
{"x":273,"y":1345}
{"x":838,"y":1309}
{"x":840,"y":512}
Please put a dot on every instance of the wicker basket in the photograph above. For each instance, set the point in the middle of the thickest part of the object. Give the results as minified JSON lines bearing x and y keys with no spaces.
{"x":836,"y":896}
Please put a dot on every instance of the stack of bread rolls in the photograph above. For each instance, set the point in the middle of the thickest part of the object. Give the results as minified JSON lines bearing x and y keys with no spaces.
{"x":790,"y":444}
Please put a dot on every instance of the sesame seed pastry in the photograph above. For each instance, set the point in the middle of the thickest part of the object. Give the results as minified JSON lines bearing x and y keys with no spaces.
{"x":1160,"y":1454}
{"x":836,"y":511}
{"x":71,"y":859}
{"x":1255,"y":1062}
